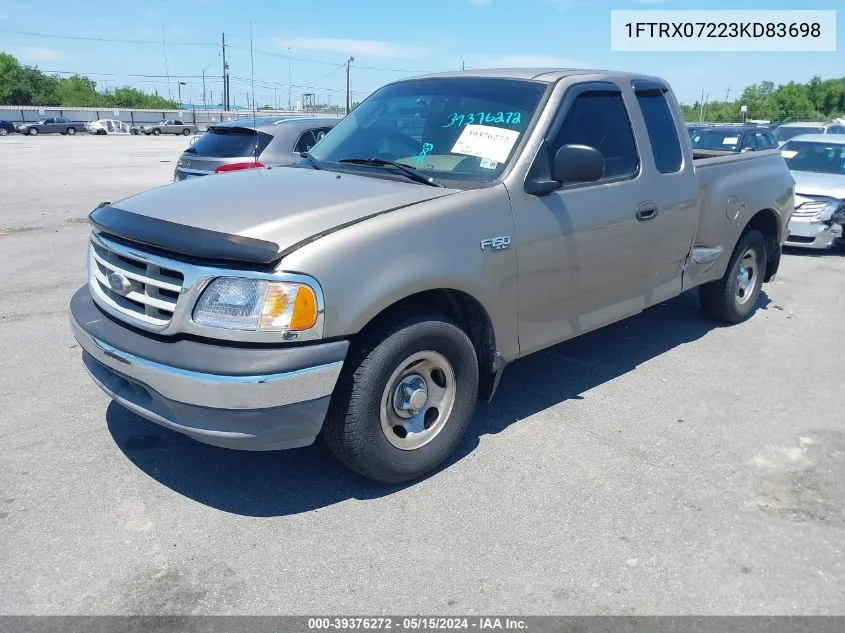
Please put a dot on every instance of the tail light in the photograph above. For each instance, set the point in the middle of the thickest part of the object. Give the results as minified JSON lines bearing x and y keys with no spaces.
{"x":238,"y":166}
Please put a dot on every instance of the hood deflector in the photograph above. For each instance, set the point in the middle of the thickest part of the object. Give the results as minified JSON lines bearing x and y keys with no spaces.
{"x":182,"y":239}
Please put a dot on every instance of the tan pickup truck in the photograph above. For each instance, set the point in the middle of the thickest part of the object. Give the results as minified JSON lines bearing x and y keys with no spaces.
{"x":450,"y":224}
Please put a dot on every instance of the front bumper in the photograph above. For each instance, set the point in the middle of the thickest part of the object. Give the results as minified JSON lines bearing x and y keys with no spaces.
{"x":811,"y":233}
{"x":244,"y":397}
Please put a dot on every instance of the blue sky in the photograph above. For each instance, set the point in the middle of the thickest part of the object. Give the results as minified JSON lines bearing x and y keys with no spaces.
{"x":306,"y":44}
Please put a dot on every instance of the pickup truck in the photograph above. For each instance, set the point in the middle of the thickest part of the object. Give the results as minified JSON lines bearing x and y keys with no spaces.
{"x":51,"y":125}
{"x":451,"y":224}
{"x":171,"y":126}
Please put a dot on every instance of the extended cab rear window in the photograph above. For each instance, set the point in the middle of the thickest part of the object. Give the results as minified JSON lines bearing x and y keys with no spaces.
{"x":230,"y":142}
{"x":662,"y":133}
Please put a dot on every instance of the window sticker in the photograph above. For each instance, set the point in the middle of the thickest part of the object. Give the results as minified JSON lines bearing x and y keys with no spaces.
{"x":484,"y":141}
{"x":486,"y":163}
{"x":730,"y":140}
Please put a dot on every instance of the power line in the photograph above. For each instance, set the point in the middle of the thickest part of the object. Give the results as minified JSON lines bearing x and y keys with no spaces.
{"x":104,"y":39}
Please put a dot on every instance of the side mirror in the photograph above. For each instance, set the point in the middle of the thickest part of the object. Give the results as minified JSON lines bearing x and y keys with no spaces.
{"x":577,"y":163}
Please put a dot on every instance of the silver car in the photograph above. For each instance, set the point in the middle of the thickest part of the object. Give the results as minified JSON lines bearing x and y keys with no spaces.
{"x":789,"y":130}
{"x":817,"y":163}
{"x":249,"y":143}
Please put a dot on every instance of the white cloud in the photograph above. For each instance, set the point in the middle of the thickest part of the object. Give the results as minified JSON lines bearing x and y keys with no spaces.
{"x":32,"y":54}
{"x":364,"y":48}
{"x":480,"y":60}
{"x":479,"y":3}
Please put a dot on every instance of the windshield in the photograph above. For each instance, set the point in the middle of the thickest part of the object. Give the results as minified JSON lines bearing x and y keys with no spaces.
{"x":821,"y":158}
{"x":722,"y":140}
{"x":461,"y":129}
{"x":785,"y":132}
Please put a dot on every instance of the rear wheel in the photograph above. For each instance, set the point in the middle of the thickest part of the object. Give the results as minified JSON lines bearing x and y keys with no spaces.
{"x":185,"y":132}
{"x":733,"y":298}
{"x":33,"y":131}
{"x":404,"y":400}
{"x":3,"y":131}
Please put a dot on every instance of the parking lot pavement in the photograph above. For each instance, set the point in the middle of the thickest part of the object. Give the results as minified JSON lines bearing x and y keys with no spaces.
{"x":660,"y":465}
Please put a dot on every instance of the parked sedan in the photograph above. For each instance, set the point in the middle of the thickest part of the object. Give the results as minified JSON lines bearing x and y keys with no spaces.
{"x":249,"y":143}
{"x":817,"y":163}
{"x":6,"y":128}
{"x":731,"y":139}
{"x":789,"y":130}
{"x":171,"y":126}
{"x":51,"y":125}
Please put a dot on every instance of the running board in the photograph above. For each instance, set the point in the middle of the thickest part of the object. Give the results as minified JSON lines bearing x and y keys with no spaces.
{"x":706,"y":254}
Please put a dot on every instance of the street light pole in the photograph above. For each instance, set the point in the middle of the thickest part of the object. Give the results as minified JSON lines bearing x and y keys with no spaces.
{"x":348,"y":64}
{"x":179,"y":86}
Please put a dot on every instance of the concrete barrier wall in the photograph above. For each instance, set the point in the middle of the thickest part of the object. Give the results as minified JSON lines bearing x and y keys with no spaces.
{"x":199,"y":117}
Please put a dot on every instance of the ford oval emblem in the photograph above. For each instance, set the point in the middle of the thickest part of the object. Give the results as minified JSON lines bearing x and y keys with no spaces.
{"x":119,"y":283}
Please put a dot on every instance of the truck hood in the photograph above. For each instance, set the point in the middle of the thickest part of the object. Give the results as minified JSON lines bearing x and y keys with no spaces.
{"x":276,"y":209}
{"x":810,"y":183}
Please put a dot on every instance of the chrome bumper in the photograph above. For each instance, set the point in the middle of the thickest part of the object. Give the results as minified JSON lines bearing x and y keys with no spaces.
{"x":214,"y":391}
{"x":247,"y":409}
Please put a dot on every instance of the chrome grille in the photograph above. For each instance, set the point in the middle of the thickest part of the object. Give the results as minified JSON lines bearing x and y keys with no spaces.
{"x":140,"y":290}
{"x":810,"y":209}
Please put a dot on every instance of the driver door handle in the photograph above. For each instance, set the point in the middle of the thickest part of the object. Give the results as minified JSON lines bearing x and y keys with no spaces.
{"x":646,"y":211}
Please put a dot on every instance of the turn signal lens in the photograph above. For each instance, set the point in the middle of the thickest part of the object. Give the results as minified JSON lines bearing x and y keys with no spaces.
{"x":304,"y":309}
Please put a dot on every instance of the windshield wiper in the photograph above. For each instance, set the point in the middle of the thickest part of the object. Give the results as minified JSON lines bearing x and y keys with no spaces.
{"x":407,"y":170}
{"x":314,"y":162}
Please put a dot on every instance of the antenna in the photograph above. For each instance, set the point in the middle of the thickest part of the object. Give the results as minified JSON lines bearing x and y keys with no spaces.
{"x":252,"y":86}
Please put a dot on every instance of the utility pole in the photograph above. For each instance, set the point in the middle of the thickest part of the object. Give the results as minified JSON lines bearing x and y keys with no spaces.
{"x":225,"y":77}
{"x":348,"y":64}
{"x":290,"y":86}
{"x":728,"y":94}
{"x":179,"y":87}
{"x":701,"y":113}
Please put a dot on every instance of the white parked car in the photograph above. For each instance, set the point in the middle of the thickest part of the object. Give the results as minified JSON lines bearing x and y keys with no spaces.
{"x":108,"y":126}
{"x":817,"y":163}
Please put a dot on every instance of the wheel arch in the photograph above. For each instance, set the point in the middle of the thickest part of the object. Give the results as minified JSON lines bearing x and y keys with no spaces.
{"x":768,"y":223}
{"x":466,"y":311}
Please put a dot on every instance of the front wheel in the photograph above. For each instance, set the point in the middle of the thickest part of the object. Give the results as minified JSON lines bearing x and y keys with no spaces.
{"x":3,"y":131}
{"x":404,"y":400}
{"x":733,"y":298}
{"x":185,"y":132}
{"x":71,"y":131}
{"x":33,"y":131}
{"x":156,"y":132}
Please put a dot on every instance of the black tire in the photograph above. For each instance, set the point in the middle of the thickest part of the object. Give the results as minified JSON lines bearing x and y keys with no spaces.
{"x":724,"y":299}
{"x":185,"y":132}
{"x":33,"y":131}
{"x":354,"y":430}
{"x":156,"y":132}
{"x":3,"y":131}
{"x":71,"y":131}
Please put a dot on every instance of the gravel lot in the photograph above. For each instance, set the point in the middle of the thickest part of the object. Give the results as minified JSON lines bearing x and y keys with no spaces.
{"x":658,"y":466}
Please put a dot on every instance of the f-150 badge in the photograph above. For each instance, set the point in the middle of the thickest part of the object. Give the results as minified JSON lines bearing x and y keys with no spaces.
{"x":496,"y":243}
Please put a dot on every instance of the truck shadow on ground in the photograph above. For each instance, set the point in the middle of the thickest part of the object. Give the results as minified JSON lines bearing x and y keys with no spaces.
{"x":289,"y":482}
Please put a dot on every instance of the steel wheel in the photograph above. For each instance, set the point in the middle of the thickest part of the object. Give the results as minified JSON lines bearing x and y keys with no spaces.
{"x":417,"y":400}
{"x":746,"y":278}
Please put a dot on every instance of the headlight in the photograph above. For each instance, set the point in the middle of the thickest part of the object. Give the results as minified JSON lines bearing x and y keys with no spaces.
{"x":257,"y":305}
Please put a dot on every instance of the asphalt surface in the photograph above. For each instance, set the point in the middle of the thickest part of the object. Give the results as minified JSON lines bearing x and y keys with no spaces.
{"x":659,"y":466}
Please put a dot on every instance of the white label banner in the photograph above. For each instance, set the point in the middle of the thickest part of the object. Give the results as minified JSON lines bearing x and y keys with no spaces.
{"x":723,"y":30}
